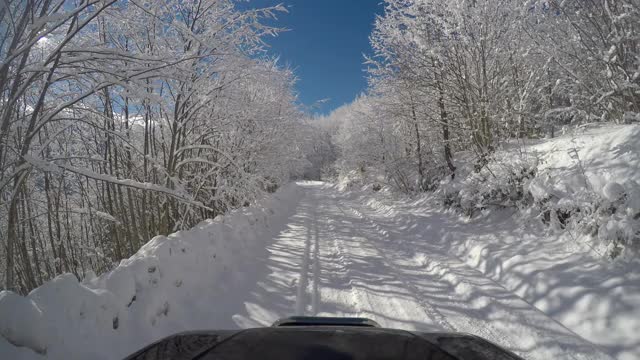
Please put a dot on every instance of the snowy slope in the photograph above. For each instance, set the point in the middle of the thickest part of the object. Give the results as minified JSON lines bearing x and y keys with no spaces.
{"x":591,"y":156}
{"x":565,"y":272}
{"x":184,"y":281}
{"x":585,"y":182}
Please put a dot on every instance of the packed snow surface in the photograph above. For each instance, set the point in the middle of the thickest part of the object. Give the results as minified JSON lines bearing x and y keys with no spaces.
{"x":313,"y":249}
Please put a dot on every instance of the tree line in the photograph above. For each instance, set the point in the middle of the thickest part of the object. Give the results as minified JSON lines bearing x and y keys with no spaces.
{"x":467,"y":75}
{"x":121,"y":119}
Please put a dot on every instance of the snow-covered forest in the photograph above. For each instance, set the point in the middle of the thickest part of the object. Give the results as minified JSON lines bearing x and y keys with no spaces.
{"x":451,"y":76}
{"x":453,"y":83}
{"x":160,"y":173}
{"x":121,"y":120}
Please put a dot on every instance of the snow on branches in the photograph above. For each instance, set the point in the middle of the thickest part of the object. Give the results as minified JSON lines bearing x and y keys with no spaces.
{"x":148,"y":116}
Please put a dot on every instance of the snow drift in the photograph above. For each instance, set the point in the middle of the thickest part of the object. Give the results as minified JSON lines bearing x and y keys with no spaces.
{"x":171,"y":284}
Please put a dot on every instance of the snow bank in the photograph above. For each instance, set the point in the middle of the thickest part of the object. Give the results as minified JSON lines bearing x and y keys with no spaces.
{"x":21,"y":321}
{"x":591,"y":157}
{"x":171,"y":284}
{"x":586,"y":182}
{"x":587,"y":293}
{"x":547,"y":236}
{"x":591,"y":295}
{"x":580,"y":207}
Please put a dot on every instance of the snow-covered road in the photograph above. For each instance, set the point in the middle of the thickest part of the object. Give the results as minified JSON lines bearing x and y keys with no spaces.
{"x":339,"y":257}
{"x":311,"y":249}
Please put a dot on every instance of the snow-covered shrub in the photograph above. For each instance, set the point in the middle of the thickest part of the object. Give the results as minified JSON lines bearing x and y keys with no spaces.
{"x":348,"y":180}
{"x":617,"y":218}
{"x":491,"y":184}
{"x":610,"y":217}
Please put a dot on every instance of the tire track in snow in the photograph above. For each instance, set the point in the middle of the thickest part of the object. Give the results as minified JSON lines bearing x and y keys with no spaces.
{"x":468,"y":324}
{"x":344,"y":263}
{"x":427,"y":308}
{"x":315,"y":299}
{"x":303,"y":279}
{"x":337,"y":266}
{"x":350,"y":292}
{"x":308,"y":294}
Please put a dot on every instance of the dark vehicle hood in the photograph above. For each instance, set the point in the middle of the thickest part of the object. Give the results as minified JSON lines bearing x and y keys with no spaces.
{"x":324,"y":342}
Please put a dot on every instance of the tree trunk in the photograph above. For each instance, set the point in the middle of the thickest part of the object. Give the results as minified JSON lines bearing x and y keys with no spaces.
{"x":444,"y":120}
{"x":418,"y":149}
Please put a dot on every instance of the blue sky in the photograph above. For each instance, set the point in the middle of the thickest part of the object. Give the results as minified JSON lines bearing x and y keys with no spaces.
{"x":325,"y":45}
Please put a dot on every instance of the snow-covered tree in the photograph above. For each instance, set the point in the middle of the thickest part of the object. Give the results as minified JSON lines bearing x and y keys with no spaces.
{"x":123,"y":119}
{"x":467,"y":75}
